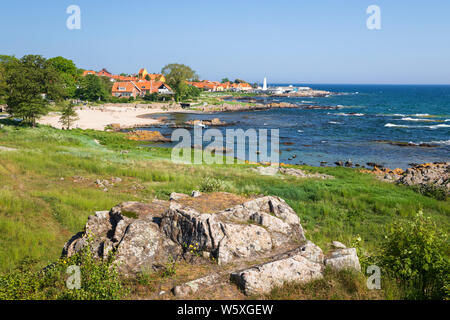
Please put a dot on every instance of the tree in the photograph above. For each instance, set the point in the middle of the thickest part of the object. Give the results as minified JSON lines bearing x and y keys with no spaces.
{"x":31,"y":82}
{"x":176,"y":76}
{"x":68,"y":73}
{"x":93,"y":88}
{"x":225,"y":80}
{"x":239,"y":81}
{"x":68,"y":116}
{"x":4,"y":61}
{"x":147,"y":77}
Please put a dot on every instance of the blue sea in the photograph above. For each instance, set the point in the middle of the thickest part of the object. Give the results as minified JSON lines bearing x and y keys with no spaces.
{"x":369,"y":123}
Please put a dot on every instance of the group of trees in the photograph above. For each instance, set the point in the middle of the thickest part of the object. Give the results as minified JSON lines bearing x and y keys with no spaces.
{"x":225,"y":80}
{"x":28,"y":85}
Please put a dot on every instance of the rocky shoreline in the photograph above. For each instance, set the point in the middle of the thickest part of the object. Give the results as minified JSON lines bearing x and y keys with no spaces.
{"x":435,"y":174}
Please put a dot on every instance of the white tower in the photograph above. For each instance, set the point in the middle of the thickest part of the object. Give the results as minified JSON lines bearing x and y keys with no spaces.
{"x":265,"y":84}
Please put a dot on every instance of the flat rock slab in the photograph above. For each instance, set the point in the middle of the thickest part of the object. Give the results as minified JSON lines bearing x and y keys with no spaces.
{"x":300,"y":265}
{"x":7,"y":149}
{"x":272,"y":171}
{"x":194,"y":286}
{"x":343,"y":259}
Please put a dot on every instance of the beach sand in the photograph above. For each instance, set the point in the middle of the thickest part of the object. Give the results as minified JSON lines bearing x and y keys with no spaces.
{"x":98,"y":118}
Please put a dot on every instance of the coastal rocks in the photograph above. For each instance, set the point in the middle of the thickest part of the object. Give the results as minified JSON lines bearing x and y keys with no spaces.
{"x":295,"y":266}
{"x":227,"y":235}
{"x":138,"y":244}
{"x":408,"y":144}
{"x":213,"y":122}
{"x":262,"y":238}
{"x":345,"y":258}
{"x":272,"y":170}
{"x":145,"y":135}
{"x":177,"y":196}
{"x":266,"y":171}
{"x":338,"y":245}
{"x":436,"y":174}
{"x":194,"y":286}
{"x":302,"y":174}
{"x":282,"y":105}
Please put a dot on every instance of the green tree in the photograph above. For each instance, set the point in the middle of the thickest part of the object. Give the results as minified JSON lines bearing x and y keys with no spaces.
{"x":68,"y":73}
{"x":225,"y":80}
{"x":176,"y":76}
{"x":147,"y":77}
{"x":31,"y":82}
{"x":239,"y":81}
{"x":92,"y":88}
{"x":68,"y":116}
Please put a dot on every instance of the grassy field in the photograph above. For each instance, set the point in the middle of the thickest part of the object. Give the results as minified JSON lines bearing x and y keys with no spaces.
{"x":48,"y":189}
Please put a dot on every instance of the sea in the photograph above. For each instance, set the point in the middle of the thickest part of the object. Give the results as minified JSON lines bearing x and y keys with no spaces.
{"x":393,"y":126}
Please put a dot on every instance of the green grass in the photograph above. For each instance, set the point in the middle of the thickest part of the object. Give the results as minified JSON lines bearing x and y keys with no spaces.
{"x":41,"y":206}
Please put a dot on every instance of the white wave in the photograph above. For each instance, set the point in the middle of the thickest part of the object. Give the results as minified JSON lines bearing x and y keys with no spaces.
{"x":299,"y":131}
{"x":416,"y":119}
{"x":334,"y":122}
{"x":304,"y":101}
{"x":350,"y":114}
{"x":448,"y":120}
{"x":440,"y":126}
{"x":443,"y":142}
{"x":392,"y":125}
{"x":420,"y":114}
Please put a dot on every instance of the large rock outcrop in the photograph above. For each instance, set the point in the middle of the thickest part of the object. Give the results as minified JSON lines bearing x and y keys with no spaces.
{"x":146,"y":236}
{"x":242,"y":231}
{"x":136,"y":241}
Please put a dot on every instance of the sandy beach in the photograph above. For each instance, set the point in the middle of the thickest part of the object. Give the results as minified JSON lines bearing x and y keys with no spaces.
{"x":99,"y":117}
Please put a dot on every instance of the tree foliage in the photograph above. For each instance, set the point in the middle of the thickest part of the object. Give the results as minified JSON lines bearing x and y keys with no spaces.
{"x":31,"y":82}
{"x":68,"y":116}
{"x":93,"y":88}
{"x":176,"y":76}
{"x":68,"y":73}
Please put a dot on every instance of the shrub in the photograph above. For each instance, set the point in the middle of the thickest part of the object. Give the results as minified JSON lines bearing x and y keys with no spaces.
{"x":416,"y":254}
{"x":99,"y":280}
{"x":209,"y":184}
{"x":433,"y":191}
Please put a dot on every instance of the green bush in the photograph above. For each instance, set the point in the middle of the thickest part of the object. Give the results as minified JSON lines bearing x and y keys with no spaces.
{"x":99,"y":280}
{"x":416,"y":254}
{"x":432,"y":191}
{"x":209,"y":184}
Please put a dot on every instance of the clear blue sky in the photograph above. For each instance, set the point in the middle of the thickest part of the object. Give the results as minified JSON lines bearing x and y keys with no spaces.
{"x":290,"y":41}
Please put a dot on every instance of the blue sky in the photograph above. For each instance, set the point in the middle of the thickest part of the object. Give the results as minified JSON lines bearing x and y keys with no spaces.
{"x":290,"y":41}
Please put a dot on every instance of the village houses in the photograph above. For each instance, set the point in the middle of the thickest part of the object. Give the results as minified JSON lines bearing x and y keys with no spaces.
{"x":145,"y":83}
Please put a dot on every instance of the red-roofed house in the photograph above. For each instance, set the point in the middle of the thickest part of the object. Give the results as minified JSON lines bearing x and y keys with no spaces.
{"x":149,"y":87}
{"x":125,"y":89}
